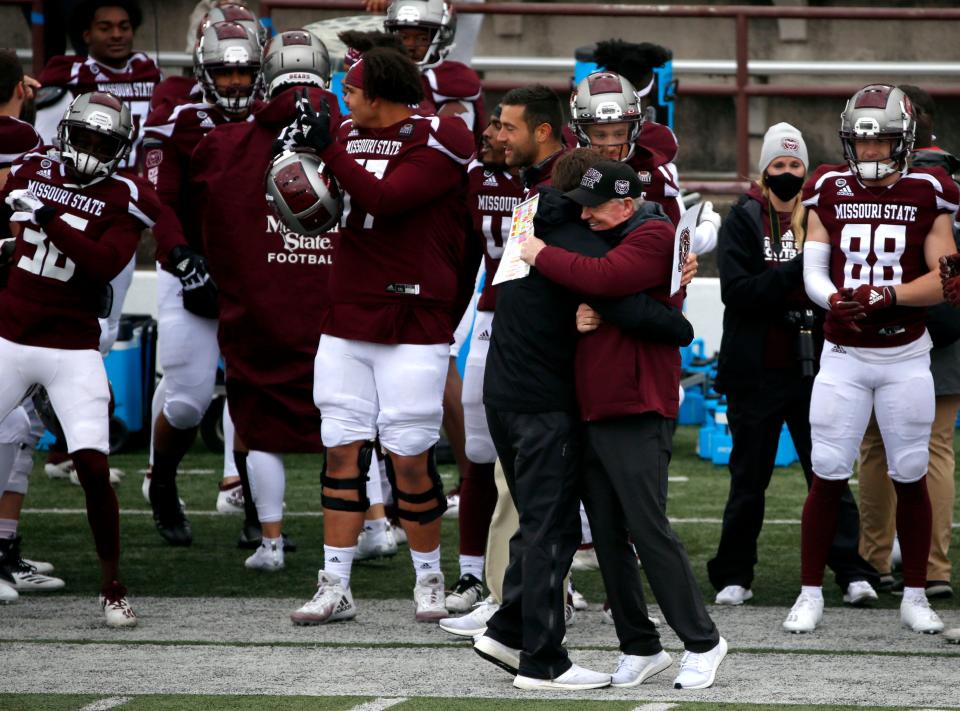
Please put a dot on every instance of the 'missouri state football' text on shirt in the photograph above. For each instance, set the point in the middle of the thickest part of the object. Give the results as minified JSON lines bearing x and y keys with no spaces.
{"x":171,"y":138}
{"x":133,"y":84}
{"x":16,"y":138}
{"x":492,"y":195}
{"x":877,"y":237}
{"x":272,"y":281}
{"x":399,"y":256}
{"x":60,"y":272}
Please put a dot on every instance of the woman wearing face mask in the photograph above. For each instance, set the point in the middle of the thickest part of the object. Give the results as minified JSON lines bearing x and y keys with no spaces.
{"x":772,"y":335}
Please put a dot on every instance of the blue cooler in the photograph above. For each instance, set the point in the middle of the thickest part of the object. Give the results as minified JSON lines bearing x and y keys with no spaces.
{"x":131,"y":370}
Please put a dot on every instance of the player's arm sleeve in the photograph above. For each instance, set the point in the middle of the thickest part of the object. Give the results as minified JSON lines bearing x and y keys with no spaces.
{"x":422,"y":178}
{"x":103,"y":259}
{"x":645,"y":317}
{"x":741,"y":287}
{"x":632,"y":266}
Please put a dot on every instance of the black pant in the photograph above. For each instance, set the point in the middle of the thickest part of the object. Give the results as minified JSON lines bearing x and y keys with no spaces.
{"x":756,"y":417}
{"x":625,"y":463}
{"x":540,"y":455}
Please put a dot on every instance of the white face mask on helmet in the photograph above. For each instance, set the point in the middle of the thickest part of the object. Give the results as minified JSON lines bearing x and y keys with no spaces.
{"x":226,"y":46}
{"x":882,"y":112}
{"x":434,"y":16}
{"x":303,"y":195}
{"x":95,"y":135}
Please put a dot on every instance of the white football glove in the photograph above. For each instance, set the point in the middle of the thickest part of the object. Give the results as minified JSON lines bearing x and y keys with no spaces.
{"x":705,"y":237}
{"x":24,"y":203}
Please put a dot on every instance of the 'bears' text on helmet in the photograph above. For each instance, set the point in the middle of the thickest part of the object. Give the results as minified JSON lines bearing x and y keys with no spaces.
{"x":96,"y":134}
{"x":434,"y":16}
{"x":303,"y":195}
{"x":295,"y":58}
{"x":605,"y":98}
{"x":224,"y":47}
{"x":883,"y":112}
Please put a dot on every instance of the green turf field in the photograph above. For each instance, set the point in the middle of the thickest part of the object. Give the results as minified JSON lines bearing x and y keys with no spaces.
{"x":214,"y":566}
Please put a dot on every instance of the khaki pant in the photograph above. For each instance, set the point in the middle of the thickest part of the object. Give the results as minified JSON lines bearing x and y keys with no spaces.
{"x":503,"y":525}
{"x":878,"y":500}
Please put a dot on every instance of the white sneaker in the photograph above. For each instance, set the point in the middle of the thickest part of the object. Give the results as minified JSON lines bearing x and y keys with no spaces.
{"x":268,"y":557}
{"x":330,"y":603}
{"x":41,"y":566}
{"x":697,"y":671}
{"x":116,"y":476}
{"x":453,"y":506}
{"x":116,"y":608}
{"x":574,"y":678}
{"x":733,"y":595}
{"x":500,"y":654}
{"x":399,"y":535}
{"x":474,"y":622}
{"x":578,"y":600}
{"x":569,"y":611}
{"x":230,"y":498}
{"x":59,"y":471}
{"x":585,"y":559}
{"x":859,"y":592}
{"x":429,"y":598}
{"x":916,"y":614}
{"x":373,"y":543}
{"x":467,"y":593}
{"x":633,"y":670}
{"x":805,"y":615}
{"x":952,"y":635}
{"x":8,"y":593}
{"x":29,"y":580}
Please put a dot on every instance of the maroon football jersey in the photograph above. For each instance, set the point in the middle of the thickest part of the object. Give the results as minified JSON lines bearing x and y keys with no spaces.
{"x":169,"y":94}
{"x":652,"y":158}
{"x":877,"y":237}
{"x":491,"y":197}
{"x":134,"y":84}
{"x":402,"y":237}
{"x":449,"y":82}
{"x":170,"y":143}
{"x":272,"y":282}
{"x":60,"y":272}
{"x":16,"y":138}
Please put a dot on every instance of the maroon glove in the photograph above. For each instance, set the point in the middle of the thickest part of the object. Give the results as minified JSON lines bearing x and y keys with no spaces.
{"x":845,"y":309}
{"x":874,"y":298}
{"x":949,"y":267}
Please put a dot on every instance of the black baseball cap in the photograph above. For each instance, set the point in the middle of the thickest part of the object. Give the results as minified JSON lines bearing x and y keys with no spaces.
{"x":607,"y":180}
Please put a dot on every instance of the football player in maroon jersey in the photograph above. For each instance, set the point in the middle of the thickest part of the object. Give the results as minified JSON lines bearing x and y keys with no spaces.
{"x":400,"y":278}
{"x":876,"y":231}
{"x":427,"y":28}
{"x":78,"y":223}
{"x":271,"y":281}
{"x":228,"y":69}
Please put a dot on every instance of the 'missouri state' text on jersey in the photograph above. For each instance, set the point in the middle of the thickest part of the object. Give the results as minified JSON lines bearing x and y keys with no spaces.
{"x":60,"y":272}
{"x":492,"y":195}
{"x":877,"y":237}
{"x":399,"y":255}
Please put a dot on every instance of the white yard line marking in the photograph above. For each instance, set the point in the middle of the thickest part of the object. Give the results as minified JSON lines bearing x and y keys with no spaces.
{"x":377,"y":705}
{"x":104,"y":704}
{"x":183,"y":471}
{"x":678,"y":478}
{"x":655,"y":707}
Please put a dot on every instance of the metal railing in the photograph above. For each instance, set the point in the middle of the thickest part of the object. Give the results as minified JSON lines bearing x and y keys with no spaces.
{"x":741,"y":90}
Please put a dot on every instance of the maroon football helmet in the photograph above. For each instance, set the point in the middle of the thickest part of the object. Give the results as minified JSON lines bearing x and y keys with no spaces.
{"x":305,"y":197}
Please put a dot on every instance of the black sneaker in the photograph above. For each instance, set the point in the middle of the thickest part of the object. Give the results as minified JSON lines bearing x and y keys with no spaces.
{"x":168,"y":516}
{"x":466,"y":593}
{"x":939,"y":589}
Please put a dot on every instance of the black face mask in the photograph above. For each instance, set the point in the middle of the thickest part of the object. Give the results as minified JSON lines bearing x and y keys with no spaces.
{"x":785,"y":186}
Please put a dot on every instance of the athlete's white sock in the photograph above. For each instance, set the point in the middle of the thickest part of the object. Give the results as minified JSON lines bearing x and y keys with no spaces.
{"x":425,"y":562}
{"x":814,"y":591}
{"x":339,"y":561}
{"x":267,"y":484}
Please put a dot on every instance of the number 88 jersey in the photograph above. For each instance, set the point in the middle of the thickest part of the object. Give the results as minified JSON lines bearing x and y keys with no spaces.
{"x":877,"y":237}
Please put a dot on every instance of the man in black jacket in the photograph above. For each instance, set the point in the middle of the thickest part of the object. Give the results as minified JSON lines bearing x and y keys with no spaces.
{"x":532,"y":414}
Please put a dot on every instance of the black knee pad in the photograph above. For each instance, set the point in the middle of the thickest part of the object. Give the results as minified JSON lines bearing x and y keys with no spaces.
{"x":433,"y":494}
{"x":358,"y":482}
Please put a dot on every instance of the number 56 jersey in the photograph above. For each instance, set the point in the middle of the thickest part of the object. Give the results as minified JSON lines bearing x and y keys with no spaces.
{"x":59,"y":274}
{"x":877,"y":237}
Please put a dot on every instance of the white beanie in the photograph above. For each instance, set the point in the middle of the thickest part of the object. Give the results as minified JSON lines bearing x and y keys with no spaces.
{"x":782,"y":139}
